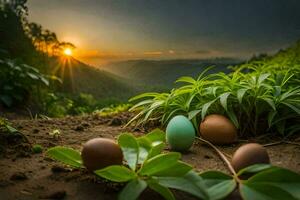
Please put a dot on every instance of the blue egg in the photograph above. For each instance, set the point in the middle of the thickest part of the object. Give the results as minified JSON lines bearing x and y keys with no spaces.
{"x":180,"y":133}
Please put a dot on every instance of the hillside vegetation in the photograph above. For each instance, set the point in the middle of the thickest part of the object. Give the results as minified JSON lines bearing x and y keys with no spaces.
{"x":164,"y":72}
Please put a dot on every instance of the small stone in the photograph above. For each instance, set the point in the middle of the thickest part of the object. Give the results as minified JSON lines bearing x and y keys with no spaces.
{"x":18,"y":176}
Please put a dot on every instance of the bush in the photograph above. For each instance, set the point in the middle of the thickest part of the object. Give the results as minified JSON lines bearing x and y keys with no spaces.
{"x":18,"y":81}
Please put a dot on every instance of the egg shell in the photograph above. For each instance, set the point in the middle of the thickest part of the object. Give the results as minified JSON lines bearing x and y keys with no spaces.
{"x":180,"y":133}
{"x":218,"y":129}
{"x":98,"y":153}
{"x":249,"y":154}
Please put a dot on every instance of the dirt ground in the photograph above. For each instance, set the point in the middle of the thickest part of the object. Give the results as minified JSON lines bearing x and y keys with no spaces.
{"x":28,"y":176}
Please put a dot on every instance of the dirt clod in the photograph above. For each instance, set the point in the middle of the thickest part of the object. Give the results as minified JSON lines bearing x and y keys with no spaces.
{"x":59,"y":169}
{"x":59,"y":194}
{"x":18,"y":176}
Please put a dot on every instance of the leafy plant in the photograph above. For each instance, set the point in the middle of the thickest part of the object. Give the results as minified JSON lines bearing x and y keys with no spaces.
{"x":55,"y":133}
{"x":37,"y":148}
{"x":146,"y":166}
{"x":5,"y":126}
{"x":113,"y":109}
{"x":268,"y":182}
{"x":17,"y":80}
{"x":255,"y":102}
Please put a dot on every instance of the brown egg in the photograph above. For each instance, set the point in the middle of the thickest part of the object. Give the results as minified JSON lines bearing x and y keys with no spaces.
{"x":218,"y":129}
{"x":100,"y":152}
{"x":249,"y":154}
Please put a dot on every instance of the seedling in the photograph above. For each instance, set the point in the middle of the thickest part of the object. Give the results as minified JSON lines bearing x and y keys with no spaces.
{"x":146,"y":166}
{"x":7,"y":128}
{"x":37,"y":148}
{"x":55,"y":133}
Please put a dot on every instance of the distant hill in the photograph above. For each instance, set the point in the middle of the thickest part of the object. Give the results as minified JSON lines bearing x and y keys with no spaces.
{"x":165,"y":72}
{"x":79,"y":77}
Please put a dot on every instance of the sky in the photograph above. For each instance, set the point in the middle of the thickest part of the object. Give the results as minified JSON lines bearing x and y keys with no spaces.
{"x":112,"y":30}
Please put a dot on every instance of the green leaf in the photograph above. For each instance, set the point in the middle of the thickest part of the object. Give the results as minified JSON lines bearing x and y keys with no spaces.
{"x":177,"y":169}
{"x":233,"y":118}
{"x":263,"y":192}
{"x":223,"y":99}
{"x":132,"y":190}
{"x":291,"y":106}
{"x":284,"y":182}
{"x":240,"y":94}
{"x":186,"y":79}
{"x":66,"y":155}
{"x":219,"y":185}
{"x":162,"y":190}
{"x":155,"y":136}
{"x":130,"y":148}
{"x":205,"y":108}
{"x":159,"y":163}
{"x":116,"y":173}
{"x":11,"y":129}
{"x":156,"y":150}
{"x":262,"y":78}
{"x":144,"y":149}
{"x":190,"y":183}
{"x":148,"y":142}
{"x":269,"y":101}
{"x":271,"y":116}
{"x":255,"y":169}
{"x":193,"y":114}
{"x":144,"y":95}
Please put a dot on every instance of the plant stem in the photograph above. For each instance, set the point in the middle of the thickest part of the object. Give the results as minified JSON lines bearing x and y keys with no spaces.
{"x":221,"y":154}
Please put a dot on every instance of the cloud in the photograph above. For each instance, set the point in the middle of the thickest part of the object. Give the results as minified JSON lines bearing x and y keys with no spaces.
{"x":95,"y":54}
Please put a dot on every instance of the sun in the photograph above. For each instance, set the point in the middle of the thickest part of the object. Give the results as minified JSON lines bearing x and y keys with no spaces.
{"x":68,"y":52}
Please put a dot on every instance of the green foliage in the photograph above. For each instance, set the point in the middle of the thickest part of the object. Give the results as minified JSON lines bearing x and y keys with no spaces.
{"x":113,"y":109}
{"x":6,"y":127}
{"x":37,"y":148}
{"x":164,"y":171}
{"x":61,"y":104}
{"x":255,"y":102}
{"x":272,"y":183}
{"x":18,"y":81}
{"x":68,"y":156}
{"x":56,"y":133}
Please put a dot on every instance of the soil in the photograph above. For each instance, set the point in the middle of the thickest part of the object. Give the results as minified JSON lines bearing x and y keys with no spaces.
{"x":26,"y":175}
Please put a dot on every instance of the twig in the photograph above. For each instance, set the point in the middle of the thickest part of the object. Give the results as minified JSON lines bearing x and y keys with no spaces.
{"x":221,"y":154}
{"x":281,"y":142}
{"x":293,"y":143}
{"x":273,"y":144}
